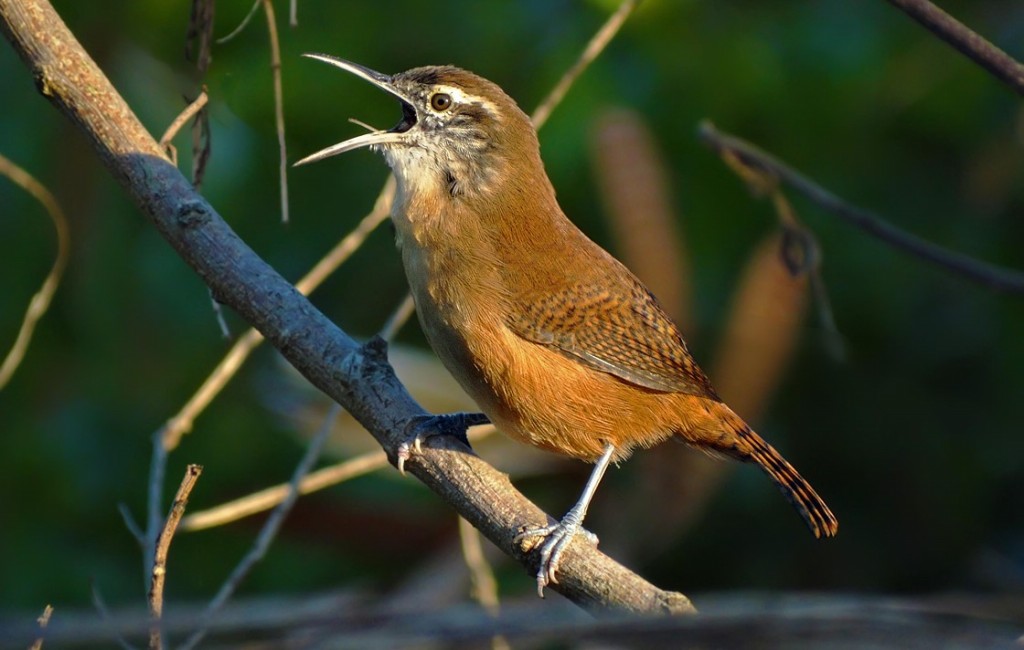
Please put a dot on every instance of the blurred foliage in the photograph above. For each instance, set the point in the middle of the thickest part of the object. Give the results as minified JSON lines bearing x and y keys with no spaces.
{"x":915,"y":439}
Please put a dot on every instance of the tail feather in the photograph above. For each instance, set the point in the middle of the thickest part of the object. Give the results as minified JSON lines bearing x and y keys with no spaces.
{"x":745,"y":445}
{"x":794,"y":487}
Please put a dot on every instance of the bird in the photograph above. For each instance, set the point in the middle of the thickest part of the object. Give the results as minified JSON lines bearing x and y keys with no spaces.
{"x":557,"y":342}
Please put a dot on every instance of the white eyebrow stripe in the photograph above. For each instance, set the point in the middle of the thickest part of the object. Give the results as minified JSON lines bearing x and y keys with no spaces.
{"x":462,"y":97}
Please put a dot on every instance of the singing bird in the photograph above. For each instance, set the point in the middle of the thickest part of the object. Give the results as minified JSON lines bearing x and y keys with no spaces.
{"x":557,"y":342}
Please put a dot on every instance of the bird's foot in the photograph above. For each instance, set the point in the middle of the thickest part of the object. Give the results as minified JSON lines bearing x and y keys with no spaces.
{"x":421,"y":427}
{"x":555,"y":538}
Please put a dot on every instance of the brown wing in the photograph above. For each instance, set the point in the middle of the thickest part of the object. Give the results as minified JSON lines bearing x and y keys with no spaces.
{"x":625,"y":333}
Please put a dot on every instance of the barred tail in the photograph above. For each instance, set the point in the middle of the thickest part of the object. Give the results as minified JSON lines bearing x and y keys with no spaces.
{"x":745,"y":445}
{"x":794,"y":487}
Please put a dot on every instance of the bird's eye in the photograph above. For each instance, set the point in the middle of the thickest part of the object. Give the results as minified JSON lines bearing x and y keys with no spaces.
{"x":440,"y":101}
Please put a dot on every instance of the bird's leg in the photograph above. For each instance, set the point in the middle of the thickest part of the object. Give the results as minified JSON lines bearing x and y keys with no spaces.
{"x":557,"y":536}
{"x":421,"y":427}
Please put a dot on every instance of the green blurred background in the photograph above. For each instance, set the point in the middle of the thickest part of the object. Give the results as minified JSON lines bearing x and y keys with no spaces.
{"x":915,"y":437}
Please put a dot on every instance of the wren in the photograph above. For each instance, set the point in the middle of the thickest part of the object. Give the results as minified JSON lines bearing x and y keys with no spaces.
{"x":558,"y":343}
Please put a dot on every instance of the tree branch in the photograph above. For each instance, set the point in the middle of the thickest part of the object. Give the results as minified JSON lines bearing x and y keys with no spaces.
{"x":163,"y":546}
{"x":986,"y":274}
{"x":358,"y":377}
{"x":968,"y":42}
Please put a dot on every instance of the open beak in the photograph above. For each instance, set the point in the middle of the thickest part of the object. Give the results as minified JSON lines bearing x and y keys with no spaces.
{"x":390,"y":136}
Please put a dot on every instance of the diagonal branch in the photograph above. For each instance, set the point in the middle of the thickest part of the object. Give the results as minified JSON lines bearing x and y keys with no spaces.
{"x":358,"y":377}
{"x":986,"y":274}
{"x":968,"y":42}
{"x":596,"y":45}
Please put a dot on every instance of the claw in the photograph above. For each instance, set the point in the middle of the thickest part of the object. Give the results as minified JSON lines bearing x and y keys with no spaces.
{"x":421,"y":427}
{"x":556,"y":538}
{"x":406,"y":449}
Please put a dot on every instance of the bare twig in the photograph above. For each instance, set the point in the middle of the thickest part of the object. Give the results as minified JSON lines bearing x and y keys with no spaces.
{"x":242,"y":25}
{"x":200,"y":34}
{"x":398,"y":318}
{"x":484,"y":586}
{"x":801,"y":254}
{"x":267,"y":498}
{"x":42,"y":621}
{"x":218,"y":315}
{"x":968,"y":42}
{"x":198,"y":45}
{"x":156,"y":583}
{"x":325,"y":477}
{"x":172,"y":130}
{"x":267,"y":533}
{"x":202,"y":146}
{"x":101,"y":607}
{"x":154,"y":501}
{"x":275,"y":71}
{"x":41,"y":300}
{"x":132,"y":525}
{"x":596,"y":45}
{"x":330,"y":262}
{"x":958,"y":263}
{"x":293,"y":13}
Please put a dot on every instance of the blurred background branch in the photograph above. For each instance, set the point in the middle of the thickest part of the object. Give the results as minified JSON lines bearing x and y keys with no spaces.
{"x":968,"y":42}
{"x":955,"y":262}
{"x":40,"y":301}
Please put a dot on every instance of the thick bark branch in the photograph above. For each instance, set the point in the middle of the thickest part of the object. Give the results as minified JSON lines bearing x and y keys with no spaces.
{"x":358,"y":377}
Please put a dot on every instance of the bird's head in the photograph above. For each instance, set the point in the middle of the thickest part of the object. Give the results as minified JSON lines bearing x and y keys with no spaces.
{"x":459,"y":133}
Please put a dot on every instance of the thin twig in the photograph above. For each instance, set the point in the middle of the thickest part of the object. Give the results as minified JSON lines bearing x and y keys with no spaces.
{"x":218,"y":314}
{"x":199,"y":34}
{"x":202,"y":146}
{"x":159,"y":575}
{"x":293,"y":13}
{"x":965,"y":40}
{"x":198,"y":43}
{"x":398,"y":318}
{"x":101,"y":607}
{"x":980,"y":272}
{"x":132,"y":525}
{"x":330,"y":262}
{"x":184,"y":116}
{"x":484,"y":586}
{"x":181,"y":423}
{"x":242,"y":25}
{"x":267,"y":533}
{"x":154,"y":501}
{"x":325,"y":477}
{"x":275,"y":71}
{"x":42,"y":621}
{"x":596,"y":45}
{"x":267,"y":498}
{"x":807,"y":260}
{"x":41,"y":300}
